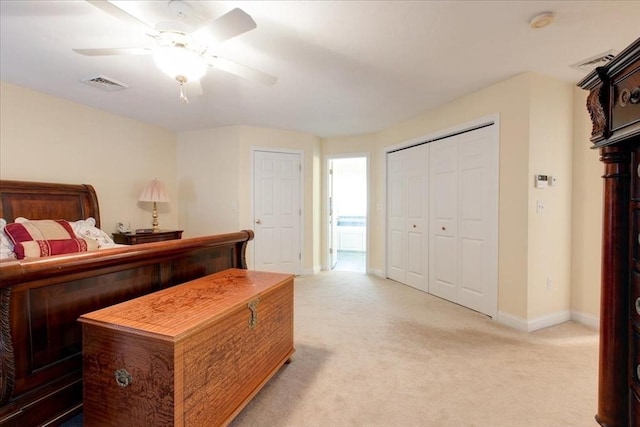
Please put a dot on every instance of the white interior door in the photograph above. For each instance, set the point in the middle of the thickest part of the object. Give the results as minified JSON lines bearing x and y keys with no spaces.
{"x":277,"y":211}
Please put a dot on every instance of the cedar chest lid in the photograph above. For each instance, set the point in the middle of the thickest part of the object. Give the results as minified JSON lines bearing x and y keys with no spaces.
{"x":176,"y":312}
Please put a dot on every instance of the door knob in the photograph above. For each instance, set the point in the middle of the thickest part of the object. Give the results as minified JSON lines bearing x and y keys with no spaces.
{"x":444,"y":228}
{"x":258,"y":221}
{"x":414,"y":226}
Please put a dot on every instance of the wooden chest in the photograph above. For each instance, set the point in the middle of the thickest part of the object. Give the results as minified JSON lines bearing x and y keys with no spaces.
{"x":190,"y":355}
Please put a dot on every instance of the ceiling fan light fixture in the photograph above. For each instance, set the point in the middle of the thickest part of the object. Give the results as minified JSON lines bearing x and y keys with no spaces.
{"x":180,"y":62}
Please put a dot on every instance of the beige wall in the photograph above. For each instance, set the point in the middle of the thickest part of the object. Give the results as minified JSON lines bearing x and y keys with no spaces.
{"x":215,"y":174}
{"x":586,"y":244}
{"x":550,"y":153}
{"x":208,"y":181}
{"x":44,"y":138}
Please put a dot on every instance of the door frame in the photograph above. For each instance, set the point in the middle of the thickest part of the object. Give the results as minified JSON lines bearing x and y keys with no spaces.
{"x":492,"y":119}
{"x":300,"y":153}
{"x":325,"y":211}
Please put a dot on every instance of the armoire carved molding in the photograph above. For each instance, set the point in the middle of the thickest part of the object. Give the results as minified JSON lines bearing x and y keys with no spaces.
{"x":614,"y":106}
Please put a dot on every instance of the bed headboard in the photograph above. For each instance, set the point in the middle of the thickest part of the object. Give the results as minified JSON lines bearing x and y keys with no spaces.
{"x":46,"y":200}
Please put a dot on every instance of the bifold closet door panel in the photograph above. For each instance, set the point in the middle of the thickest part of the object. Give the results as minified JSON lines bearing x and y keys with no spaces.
{"x":396,"y":216}
{"x":463,"y":219}
{"x":417,"y":217}
{"x":477,"y":221}
{"x":407,"y":201}
{"x":443,"y":219}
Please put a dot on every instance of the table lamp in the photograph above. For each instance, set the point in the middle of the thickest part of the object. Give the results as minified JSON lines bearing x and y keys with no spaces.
{"x":155,"y":192}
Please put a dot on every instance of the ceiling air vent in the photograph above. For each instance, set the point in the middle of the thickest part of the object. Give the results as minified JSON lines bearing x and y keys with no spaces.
{"x":592,"y":63}
{"x":105,"y":83}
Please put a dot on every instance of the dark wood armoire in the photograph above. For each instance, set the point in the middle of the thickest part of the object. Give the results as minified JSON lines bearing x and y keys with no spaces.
{"x":614,"y":106}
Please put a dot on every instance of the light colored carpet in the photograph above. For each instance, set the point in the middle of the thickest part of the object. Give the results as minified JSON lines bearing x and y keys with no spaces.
{"x":373,"y":352}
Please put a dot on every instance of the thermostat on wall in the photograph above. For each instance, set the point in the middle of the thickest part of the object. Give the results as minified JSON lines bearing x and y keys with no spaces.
{"x":542,"y":181}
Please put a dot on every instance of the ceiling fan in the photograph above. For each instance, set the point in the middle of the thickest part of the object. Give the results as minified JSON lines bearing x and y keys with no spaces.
{"x":177,"y":52}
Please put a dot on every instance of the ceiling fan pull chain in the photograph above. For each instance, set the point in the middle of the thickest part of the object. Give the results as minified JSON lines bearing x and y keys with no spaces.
{"x":183,"y":89}
{"x":183,"y":94}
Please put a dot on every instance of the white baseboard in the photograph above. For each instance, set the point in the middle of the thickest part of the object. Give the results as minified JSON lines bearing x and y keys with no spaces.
{"x":533,"y":324}
{"x":586,"y":319}
{"x":549,"y":320}
{"x":512,"y":321}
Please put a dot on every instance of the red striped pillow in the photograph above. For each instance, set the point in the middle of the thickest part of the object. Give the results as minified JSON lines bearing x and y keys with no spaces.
{"x":34,"y":239}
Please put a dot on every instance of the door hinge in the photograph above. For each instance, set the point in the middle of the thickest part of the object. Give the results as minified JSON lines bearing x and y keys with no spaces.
{"x":330,"y":251}
{"x":299,"y":212}
{"x":330,"y":171}
{"x":299,"y":167}
{"x":299,"y":255}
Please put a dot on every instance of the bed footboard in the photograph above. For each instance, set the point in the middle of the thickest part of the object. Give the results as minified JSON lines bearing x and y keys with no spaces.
{"x":40,"y":339}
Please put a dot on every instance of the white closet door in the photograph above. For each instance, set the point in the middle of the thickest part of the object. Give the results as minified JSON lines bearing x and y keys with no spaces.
{"x":443,"y":219}
{"x":478,"y":221}
{"x":396,"y":216}
{"x":407,"y":201}
{"x":416,"y":222}
{"x":464,"y":219}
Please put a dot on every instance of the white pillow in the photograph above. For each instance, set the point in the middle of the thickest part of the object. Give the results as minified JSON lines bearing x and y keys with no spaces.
{"x":6,"y":246}
{"x":86,"y":229}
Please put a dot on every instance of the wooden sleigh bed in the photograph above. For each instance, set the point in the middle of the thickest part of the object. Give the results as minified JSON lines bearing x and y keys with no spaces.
{"x":41,"y":299}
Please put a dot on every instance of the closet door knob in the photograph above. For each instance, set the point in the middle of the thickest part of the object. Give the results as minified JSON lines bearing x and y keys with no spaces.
{"x":258,"y":221}
{"x":638,"y":306}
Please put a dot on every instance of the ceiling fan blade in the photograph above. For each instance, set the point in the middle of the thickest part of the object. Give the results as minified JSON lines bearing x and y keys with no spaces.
{"x":231,"y":24}
{"x":120,"y":14}
{"x":242,"y":71}
{"x":115,"y":51}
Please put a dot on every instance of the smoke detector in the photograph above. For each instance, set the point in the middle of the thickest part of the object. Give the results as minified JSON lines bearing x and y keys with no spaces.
{"x":595,"y":61}
{"x":105,"y":83}
{"x":542,"y":20}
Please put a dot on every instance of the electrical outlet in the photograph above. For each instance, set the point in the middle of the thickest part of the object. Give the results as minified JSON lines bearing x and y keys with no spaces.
{"x":549,"y":284}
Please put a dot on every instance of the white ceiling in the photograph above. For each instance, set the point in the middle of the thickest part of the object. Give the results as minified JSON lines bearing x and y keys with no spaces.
{"x":343,"y":67}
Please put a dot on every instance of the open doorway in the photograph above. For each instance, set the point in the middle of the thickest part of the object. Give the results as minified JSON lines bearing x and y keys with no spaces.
{"x":347,"y":214}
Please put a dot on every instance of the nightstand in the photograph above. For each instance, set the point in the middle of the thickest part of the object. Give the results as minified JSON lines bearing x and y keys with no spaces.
{"x":134,"y":238}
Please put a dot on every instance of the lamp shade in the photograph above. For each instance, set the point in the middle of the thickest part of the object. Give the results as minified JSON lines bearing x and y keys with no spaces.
{"x":154,"y":191}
